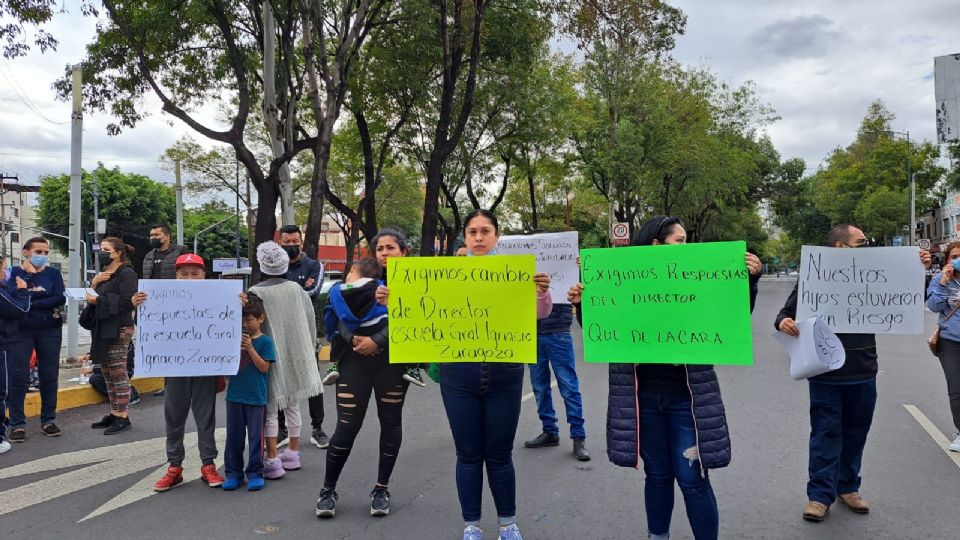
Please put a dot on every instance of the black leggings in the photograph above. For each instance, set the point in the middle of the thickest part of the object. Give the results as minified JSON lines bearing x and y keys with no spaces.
{"x":359,"y":375}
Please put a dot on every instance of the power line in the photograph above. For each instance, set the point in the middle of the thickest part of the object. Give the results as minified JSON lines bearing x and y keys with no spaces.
{"x":22,"y":95}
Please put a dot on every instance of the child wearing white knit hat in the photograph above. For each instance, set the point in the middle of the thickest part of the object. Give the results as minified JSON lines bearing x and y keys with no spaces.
{"x":294,"y":377}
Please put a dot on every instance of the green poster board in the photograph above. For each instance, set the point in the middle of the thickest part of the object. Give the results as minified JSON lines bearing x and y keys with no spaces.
{"x":669,"y":304}
{"x":462,"y":309}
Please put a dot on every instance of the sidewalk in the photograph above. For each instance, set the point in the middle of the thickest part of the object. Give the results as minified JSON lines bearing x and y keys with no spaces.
{"x":72,"y":394}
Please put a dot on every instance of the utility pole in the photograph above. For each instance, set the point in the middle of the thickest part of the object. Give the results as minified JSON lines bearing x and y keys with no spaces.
{"x":96,"y":220}
{"x":176,"y":173}
{"x":3,"y":213}
{"x":913,"y":195}
{"x":238,"y":215}
{"x":76,"y":143}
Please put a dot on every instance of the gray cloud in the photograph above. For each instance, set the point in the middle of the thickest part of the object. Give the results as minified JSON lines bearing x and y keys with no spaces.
{"x":810,"y":36}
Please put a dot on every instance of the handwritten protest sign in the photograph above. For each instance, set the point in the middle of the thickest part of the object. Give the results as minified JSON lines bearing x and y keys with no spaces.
{"x":188,"y":328}
{"x":556,"y":255}
{"x":674,"y":304}
{"x":815,"y":351}
{"x":863,"y":290}
{"x":462,"y":309}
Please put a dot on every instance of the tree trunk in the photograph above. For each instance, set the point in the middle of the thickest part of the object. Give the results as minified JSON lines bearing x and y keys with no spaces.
{"x":534,"y":224}
{"x":271,"y":114}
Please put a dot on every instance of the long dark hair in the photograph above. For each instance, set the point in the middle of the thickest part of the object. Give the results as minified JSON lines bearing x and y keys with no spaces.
{"x":124,"y":249}
{"x":656,"y":228}
{"x":480,"y":212}
{"x":395,"y":233}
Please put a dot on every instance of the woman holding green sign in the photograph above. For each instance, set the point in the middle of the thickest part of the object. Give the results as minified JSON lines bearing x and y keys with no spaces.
{"x":482,"y":402}
{"x":671,"y":417}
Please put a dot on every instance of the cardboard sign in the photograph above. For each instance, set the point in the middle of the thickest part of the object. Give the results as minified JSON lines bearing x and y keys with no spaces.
{"x":556,"y":255}
{"x":815,"y":351}
{"x":863,"y":290}
{"x":671,"y":304}
{"x":188,"y":328}
{"x":462,"y":309}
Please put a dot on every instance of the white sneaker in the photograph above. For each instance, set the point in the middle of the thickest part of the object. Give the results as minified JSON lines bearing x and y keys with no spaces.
{"x":954,"y":446}
{"x":4,"y":447}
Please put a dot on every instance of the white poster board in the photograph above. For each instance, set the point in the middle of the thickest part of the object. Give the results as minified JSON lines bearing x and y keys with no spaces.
{"x":556,"y":255}
{"x":188,"y":327}
{"x":816,"y":351}
{"x":862,"y":290}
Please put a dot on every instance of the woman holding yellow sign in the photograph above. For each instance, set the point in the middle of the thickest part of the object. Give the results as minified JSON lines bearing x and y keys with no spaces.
{"x":671,"y":417}
{"x":482,"y":402}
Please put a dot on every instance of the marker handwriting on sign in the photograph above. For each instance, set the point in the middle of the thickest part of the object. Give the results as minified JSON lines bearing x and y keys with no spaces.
{"x":188,"y":328}
{"x":667,"y":304}
{"x":476,"y":309}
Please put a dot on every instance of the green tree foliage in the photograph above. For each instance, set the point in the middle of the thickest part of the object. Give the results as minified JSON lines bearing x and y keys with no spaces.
{"x":131,"y":204}
{"x":867,"y":182}
{"x":218,"y":242}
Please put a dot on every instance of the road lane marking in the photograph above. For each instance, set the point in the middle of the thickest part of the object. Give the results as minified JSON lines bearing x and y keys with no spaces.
{"x":938,"y":437}
{"x":97,"y":466}
{"x":528,"y":397}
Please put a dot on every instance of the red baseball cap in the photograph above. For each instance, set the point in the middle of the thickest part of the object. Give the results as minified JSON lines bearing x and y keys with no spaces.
{"x":189,"y":259}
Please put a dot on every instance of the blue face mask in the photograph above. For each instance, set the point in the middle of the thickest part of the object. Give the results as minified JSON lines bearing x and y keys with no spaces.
{"x":956,"y":264}
{"x":39,"y":260}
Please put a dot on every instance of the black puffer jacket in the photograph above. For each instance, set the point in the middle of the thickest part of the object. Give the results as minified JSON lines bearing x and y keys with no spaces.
{"x":709,"y":416}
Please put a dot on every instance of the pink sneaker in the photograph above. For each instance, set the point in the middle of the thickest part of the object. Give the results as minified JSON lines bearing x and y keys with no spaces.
{"x":273,"y":468}
{"x":290,"y":459}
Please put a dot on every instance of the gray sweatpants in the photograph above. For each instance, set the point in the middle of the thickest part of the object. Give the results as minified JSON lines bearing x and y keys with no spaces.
{"x":181,"y":395}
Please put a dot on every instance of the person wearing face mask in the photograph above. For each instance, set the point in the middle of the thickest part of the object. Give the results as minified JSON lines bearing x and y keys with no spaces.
{"x":308,"y":273}
{"x":109,"y":315}
{"x":40,"y":330}
{"x":160,"y":261}
{"x":670,"y":417}
{"x":14,"y":305}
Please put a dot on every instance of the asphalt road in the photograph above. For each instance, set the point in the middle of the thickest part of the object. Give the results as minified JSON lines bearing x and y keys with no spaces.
{"x":87,"y":486}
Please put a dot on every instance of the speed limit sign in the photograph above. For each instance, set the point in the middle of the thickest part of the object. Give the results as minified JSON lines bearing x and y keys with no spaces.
{"x":620,"y":234}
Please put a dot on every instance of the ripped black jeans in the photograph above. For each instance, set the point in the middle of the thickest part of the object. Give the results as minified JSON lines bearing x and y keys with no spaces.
{"x":359,"y":377}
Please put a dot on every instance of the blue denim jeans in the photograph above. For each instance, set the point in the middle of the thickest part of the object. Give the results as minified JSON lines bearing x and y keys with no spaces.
{"x":668,"y":447}
{"x":482,"y":401}
{"x":47,"y":343}
{"x":840,"y":418}
{"x":556,"y":350}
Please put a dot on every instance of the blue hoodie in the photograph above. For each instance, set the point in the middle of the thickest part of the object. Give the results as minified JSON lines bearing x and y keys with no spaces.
{"x":355,"y":307}
{"x":46,"y":295}
{"x":14,"y":305}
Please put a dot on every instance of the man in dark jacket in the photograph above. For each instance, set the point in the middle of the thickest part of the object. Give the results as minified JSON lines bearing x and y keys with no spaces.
{"x":841,"y":405}
{"x":159,"y":261}
{"x":308,"y":273}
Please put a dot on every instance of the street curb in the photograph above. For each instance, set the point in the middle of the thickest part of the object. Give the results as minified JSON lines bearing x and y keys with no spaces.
{"x":83,"y":395}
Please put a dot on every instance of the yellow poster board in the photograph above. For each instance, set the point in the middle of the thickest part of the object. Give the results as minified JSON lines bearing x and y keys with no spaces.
{"x":462,"y":309}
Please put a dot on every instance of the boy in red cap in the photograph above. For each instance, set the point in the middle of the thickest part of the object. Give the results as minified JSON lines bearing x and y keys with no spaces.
{"x":186,"y":393}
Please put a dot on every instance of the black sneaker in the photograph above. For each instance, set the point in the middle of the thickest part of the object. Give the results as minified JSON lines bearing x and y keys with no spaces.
{"x":580,"y":450}
{"x":327,"y":503}
{"x":134,"y":396}
{"x":543,"y":440}
{"x":413,"y":376}
{"x":379,"y":501}
{"x":118,"y":425}
{"x":160,"y":392}
{"x":320,"y":439}
{"x":50,"y":430}
{"x":18,"y":435}
{"x":104,"y":422}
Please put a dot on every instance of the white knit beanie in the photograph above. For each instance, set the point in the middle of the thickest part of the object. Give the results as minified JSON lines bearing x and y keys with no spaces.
{"x":273,"y":260}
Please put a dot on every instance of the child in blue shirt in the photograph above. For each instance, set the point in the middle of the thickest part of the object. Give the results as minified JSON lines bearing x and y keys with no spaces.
{"x":247,"y":401}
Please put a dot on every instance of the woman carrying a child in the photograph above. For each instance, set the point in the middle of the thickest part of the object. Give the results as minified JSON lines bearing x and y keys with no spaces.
{"x":357,"y":327}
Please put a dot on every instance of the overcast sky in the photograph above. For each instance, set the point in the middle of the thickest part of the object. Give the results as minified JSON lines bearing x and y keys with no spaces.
{"x":818,"y":63}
